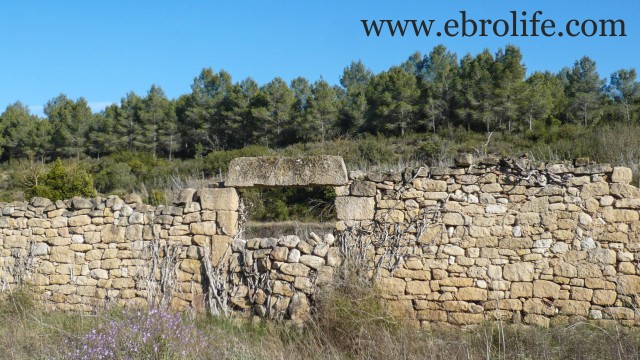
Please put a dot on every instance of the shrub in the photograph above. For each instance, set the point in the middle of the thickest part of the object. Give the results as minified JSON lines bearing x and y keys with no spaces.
{"x":63,"y":183}
{"x":156,"y":197}
{"x":115,"y":176}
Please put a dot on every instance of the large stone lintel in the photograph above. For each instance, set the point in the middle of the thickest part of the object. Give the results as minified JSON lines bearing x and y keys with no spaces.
{"x":287,"y":171}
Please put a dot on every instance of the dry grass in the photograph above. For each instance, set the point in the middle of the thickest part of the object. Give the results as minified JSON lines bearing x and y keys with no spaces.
{"x":350,"y":323}
{"x":256,"y":229}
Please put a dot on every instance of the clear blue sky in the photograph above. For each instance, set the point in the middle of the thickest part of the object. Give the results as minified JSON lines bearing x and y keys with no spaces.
{"x":102,"y":49}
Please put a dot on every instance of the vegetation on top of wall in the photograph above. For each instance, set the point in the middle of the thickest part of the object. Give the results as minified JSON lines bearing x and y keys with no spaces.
{"x":63,"y":183}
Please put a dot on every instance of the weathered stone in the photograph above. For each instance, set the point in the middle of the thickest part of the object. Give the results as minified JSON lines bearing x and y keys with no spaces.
{"x":79,"y":220}
{"x":418,"y":288}
{"x":572,"y":307}
{"x":191,"y":266}
{"x":15,"y":241}
{"x":279,"y":253}
{"x":355,"y":208}
{"x":293,"y":256}
{"x":185,"y":196}
{"x":453,"y":219}
{"x":521,"y":290}
{"x":218,"y":199}
{"x":496,"y":209}
{"x":453,"y":250}
{"x":80,"y":203}
{"x":538,"y":306}
{"x":537,"y":320}
{"x":518,"y":272}
{"x":546,"y":289}
{"x":430,"y":185}
{"x":312,"y":261}
{"x":133,"y":232}
{"x":471,"y":294}
{"x":621,"y":175}
{"x":62,"y":254}
{"x":227,"y":222}
{"x":295,"y":269}
{"x":132,"y":198}
{"x":363,"y":188}
{"x":627,"y":204}
{"x":299,"y":308}
{"x":628,"y":285}
{"x":464,"y":159}
{"x":625,"y":191}
{"x":113,"y":234}
{"x":203,"y":228}
{"x":287,"y":171}
{"x":219,"y":248}
{"x":39,"y":202}
{"x":465,"y":318}
{"x":604,"y":297}
{"x":457,"y":281}
{"x":391,"y":286}
{"x":289,"y":241}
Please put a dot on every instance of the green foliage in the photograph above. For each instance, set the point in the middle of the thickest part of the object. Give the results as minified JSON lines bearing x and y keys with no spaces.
{"x":63,"y":183}
{"x":156,"y":197}
{"x":218,"y":161}
{"x":313,"y":204}
{"x":115,"y":176}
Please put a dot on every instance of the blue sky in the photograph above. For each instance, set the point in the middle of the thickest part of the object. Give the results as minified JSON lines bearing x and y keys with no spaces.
{"x":101,"y":50}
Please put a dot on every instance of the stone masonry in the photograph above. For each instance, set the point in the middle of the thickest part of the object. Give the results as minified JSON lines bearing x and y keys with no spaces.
{"x":508,"y":239}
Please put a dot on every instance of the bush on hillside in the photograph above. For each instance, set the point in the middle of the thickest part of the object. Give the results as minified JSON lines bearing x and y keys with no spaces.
{"x":63,"y":183}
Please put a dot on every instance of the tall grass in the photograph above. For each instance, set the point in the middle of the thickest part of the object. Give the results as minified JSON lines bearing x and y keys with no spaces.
{"x":349,"y":322}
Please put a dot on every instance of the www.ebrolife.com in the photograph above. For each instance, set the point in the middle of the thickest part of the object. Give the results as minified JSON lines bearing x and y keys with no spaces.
{"x":517,"y":24}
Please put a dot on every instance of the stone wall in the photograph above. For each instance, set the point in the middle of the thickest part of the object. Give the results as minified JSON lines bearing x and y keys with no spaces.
{"x":81,"y":254}
{"x":508,"y":239}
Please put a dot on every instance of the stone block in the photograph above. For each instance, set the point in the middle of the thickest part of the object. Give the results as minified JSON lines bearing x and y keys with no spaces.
{"x":203,"y":228}
{"x":79,"y":220}
{"x":185,"y":196}
{"x":471,"y":294}
{"x":546,"y":289}
{"x":363,"y":188}
{"x":113,"y":234}
{"x":418,"y":288}
{"x":287,"y":171}
{"x":62,"y":254}
{"x":628,"y":285}
{"x":295,"y":269}
{"x":518,"y":272}
{"x":391,"y":286}
{"x":219,"y":247}
{"x":521,"y":290}
{"x":218,"y":199}
{"x":227,"y":222}
{"x":465,"y":318}
{"x":299,"y":308}
{"x":355,"y":208}
{"x":430,"y":185}
{"x":312,"y":261}
{"x":604,"y":297}
{"x":572,"y":307}
{"x":621,"y":175}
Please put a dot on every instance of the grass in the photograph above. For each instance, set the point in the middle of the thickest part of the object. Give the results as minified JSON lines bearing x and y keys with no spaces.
{"x":350,"y":322}
{"x":256,"y":229}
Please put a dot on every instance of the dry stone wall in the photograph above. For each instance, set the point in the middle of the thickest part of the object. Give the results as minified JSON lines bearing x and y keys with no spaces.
{"x":508,"y":239}
{"x":81,"y":254}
